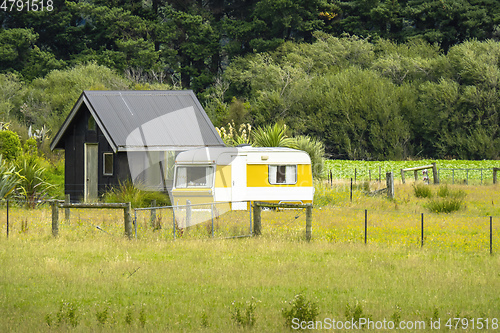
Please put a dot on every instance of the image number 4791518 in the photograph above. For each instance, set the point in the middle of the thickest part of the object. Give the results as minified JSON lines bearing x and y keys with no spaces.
{"x":26,"y":5}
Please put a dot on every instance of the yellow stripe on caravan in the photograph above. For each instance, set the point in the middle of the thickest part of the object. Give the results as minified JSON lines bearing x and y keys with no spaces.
{"x":195,"y":196}
{"x":258,"y":176}
{"x":223,"y":176}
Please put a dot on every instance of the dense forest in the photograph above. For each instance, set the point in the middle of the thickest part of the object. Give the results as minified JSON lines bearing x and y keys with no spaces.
{"x":372,"y":79}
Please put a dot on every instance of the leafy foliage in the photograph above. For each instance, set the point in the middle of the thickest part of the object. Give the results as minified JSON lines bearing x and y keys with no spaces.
{"x":8,"y":179}
{"x":316,"y":151}
{"x":243,"y":314}
{"x":378,"y":100}
{"x":127,"y":192}
{"x":301,"y":309}
{"x":422,"y":191}
{"x":371,"y":79}
{"x":448,"y":200}
{"x":32,"y":180}
{"x":233,"y":136}
{"x":272,"y":136}
{"x":445,"y":205}
{"x":10,"y":145}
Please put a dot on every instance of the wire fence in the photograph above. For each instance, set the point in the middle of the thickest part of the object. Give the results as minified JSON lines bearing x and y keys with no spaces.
{"x":467,"y":176}
{"x":20,"y":218}
{"x":457,"y":231}
{"x":215,"y":220}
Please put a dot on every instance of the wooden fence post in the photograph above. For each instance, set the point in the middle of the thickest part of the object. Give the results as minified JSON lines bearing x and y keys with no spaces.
{"x":188,"y":213}
{"x":390,"y":185}
{"x":415,"y":173}
{"x":351,"y":191}
{"x":491,"y":234}
{"x":256,"y":220}
{"x":422,"y":230}
{"x":127,"y":220}
{"x":309,"y":222}
{"x":403,"y":176}
{"x":495,"y":175}
{"x":366,"y":225}
{"x":55,"y":218}
{"x":435,"y":173}
{"x":7,"y":202}
{"x":153,"y":214}
{"x":66,"y":210}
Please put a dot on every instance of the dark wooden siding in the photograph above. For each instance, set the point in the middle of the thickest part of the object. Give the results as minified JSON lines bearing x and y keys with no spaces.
{"x":74,"y":141}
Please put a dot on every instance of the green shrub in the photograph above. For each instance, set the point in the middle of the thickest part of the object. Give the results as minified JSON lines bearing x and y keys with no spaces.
{"x":8,"y":179}
{"x":10,"y":145}
{"x":127,"y":192}
{"x":422,"y":191}
{"x":444,"y":205}
{"x":243,"y":314}
{"x":31,"y":147}
{"x":443,"y":191}
{"x":446,"y":192}
{"x":355,"y":312}
{"x":272,"y":136}
{"x":68,"y":315}
{"x":449,"y":200}
{"x":33,"y":185}
{"x":301,"y":309}
{"x":54,"y":173}
{"x":102,"y":316}
{"x":316,"y":151}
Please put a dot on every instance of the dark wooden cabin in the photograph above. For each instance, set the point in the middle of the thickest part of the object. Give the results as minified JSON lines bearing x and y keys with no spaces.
{"x":113,"y":136}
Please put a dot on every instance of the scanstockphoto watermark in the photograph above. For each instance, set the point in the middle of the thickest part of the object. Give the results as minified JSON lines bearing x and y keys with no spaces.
{"x":417,"y":325}
{"x":361,"y":323}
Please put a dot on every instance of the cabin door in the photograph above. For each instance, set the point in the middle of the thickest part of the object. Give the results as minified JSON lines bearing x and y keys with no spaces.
{"x":239,"y":182}
{"x":90,"y":172}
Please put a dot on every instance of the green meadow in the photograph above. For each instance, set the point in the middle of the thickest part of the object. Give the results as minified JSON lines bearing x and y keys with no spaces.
{"x":88,"y":279}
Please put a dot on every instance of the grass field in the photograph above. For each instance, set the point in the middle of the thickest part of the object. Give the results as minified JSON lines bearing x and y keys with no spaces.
{"x":91,"y":280}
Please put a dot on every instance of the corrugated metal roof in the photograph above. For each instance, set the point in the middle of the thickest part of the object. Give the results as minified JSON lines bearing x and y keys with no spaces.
{"x":147,"y":120}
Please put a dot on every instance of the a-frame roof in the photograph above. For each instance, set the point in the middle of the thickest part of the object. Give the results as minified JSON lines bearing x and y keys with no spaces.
{"x":146,"y":120}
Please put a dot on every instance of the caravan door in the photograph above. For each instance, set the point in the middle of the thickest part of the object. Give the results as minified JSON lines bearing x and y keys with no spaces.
{"x":239,"y":182}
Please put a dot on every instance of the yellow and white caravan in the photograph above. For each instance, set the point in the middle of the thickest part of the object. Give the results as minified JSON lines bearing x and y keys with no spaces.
{"x":242,"y":174}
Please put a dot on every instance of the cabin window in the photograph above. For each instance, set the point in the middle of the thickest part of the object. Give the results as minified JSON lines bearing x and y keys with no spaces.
{"x":282,"y":174}
{"x":91,"y":124}
{"x":194,"y":176}
{"x":108,"y":164}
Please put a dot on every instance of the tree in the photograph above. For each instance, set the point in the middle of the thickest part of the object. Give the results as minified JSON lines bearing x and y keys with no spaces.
{"x":189,"y":46}
{"x":458,"y":121}
{"x":50,"y":99}
{"x":116,"y":33}
{"x":357,"y":114}
{"x":450,"y":22}
{"x":10,"y":95}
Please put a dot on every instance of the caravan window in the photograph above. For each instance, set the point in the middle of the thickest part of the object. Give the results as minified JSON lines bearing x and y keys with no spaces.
{"x":194,"y":176}
{"x":282,"y":174}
